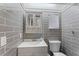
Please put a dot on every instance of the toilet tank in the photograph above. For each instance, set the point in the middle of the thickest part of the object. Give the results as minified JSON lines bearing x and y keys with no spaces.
{"x":54,"y":45}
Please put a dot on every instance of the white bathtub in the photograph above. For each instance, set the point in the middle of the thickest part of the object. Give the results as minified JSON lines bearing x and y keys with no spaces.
{"x":33,"y":48}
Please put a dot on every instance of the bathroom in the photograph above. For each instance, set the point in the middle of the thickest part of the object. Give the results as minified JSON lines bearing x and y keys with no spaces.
{"x":39,"y":29}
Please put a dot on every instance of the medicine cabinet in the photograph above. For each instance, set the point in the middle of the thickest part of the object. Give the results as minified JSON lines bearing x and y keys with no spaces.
{"x":33,"y":22}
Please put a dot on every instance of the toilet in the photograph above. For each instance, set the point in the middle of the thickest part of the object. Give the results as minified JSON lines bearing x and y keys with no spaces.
{"x":55,"y":47}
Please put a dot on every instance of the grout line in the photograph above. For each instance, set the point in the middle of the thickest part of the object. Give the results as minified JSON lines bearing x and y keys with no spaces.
{"x":67,"y":8}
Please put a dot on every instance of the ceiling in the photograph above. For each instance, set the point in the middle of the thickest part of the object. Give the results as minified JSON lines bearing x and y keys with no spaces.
{"x":46,"y":6}
{"x":55,"y":7}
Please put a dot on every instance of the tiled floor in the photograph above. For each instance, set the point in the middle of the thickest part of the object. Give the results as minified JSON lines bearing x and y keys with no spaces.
{"x":59,"y":54}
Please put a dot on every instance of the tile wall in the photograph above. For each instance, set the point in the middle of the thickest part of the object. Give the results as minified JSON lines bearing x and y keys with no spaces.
{"x":11,"y":26}
{"x":70,"y":31}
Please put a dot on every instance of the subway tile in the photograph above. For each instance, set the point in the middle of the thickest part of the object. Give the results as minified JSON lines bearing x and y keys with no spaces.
{"x":11,"y":25}
{"x":2,"y":20}
{"x":70,"y":22}
{"x":2,"y":50}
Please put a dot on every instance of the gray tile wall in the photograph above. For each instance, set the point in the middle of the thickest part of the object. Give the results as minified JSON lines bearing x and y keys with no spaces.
{"x":32,"y":35}
{"x":46,"y":33}
{"x":70,"y":31}
{"x":11,"y":25}
{"x":29,"y":35}
{"x":53,"y":34}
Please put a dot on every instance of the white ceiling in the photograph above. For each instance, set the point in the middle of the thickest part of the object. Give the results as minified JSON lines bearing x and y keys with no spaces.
{"x":55,"y":7}
{"x":48,"y":6}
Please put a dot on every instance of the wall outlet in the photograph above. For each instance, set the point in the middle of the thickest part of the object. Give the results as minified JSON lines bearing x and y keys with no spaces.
{"x":3,"y":41}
